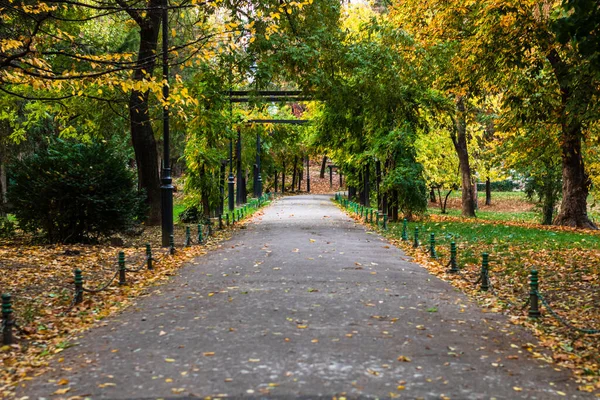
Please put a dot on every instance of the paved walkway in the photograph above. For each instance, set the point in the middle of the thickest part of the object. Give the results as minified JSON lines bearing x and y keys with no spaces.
{"x":304,"y":303}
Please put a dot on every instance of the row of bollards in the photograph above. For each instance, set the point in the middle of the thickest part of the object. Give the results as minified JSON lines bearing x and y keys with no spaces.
{"x":8,"y":321}
{"x":484,"y":278}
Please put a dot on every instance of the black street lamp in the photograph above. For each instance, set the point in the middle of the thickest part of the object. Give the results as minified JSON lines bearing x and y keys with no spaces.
{"x":231,"y":179}
{"x":166,"y":187}
{"x":258,"y":190}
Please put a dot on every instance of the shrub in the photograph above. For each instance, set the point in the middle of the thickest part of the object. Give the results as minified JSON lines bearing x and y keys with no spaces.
{"x":190,"y":215}
{"x":73,"y":192}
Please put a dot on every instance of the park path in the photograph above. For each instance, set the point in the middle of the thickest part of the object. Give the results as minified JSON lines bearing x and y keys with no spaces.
{"x":304,"y":303}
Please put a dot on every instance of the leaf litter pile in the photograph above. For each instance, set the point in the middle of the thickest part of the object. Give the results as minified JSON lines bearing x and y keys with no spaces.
{"x":40,"y":279}
{"x":568,"y":263}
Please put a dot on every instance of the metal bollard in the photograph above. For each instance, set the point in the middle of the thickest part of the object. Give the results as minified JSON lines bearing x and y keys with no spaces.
{"x":404,"y":230}
{"x":210,"y":232}
{"x":149,"y":257}
{"x":385,"y":221}
{"x":7,"y":320}
{"x":367,"y":216}
{"x":372,"y":215}
{"x":188,"y":237}
{"x":171,"y":245}
{"x":122,"y":279}
{"x":377,"y":218}
{"x":453,"y":265}
{"x":220,"y":222}
{"x":200,"y":238}
{"x":227,"y":219}
{"x":78,"y":286}
{"x":432,"y":252}
{"x":534,"y":310}
{"x":485,"y":279}
{"x":416,"y":241}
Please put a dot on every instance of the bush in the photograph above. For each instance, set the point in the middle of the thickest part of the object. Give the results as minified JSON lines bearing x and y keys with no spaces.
{"x":74,"y":192}
{"x":190,"y":215}
{"x":499,"y":186}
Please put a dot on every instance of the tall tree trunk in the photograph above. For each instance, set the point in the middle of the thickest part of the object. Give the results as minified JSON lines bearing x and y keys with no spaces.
{"x":573,"y":208}
{"x":459,"y":139}
{"x":205,"y":194}
{"x":488,"y":192}
{"x":323,"y":167}
{"x":142,"y":135}
{"x":432,"y":194}
{"x":276,"y":181}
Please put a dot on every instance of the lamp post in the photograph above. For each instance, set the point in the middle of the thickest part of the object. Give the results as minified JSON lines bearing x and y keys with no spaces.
{"x":166,"y":187}
{"x":230,"y":180}
{"x":258,"y":190}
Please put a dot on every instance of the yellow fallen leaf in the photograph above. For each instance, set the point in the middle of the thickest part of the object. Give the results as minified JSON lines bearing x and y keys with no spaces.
{"x":169,"y":380}
{"x":209,"y":354}
{"x":177,"y":390}
{"x":312,"y":240}
{"x":301,"y":326}
{"x":315,"y":341}
{"x":63,"y":382}
{"x":400,"y":387}
{"x":273,"y":384}
{"x":62,"y":391}
{"x":517,"y":389}
{"x":403,"y":359}
{"x":254,"y":360}
{"x":107,"y":384}
{"x":169,"y":359}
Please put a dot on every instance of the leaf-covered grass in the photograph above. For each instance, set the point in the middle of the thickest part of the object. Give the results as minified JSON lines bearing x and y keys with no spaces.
{"x":519,"y":216}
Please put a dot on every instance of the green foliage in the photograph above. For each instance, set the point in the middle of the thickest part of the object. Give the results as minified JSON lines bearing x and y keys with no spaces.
{"x":190,"y":215}
{"x":7,"y":228}
{"x":506,"y":185}
{"x":73,"y":192}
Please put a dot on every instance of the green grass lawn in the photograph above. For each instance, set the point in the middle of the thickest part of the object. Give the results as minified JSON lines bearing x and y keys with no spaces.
{"x":499,"y":240}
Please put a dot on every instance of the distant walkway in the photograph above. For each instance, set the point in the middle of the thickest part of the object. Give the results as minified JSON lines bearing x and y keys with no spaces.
{"x":305,"y":303}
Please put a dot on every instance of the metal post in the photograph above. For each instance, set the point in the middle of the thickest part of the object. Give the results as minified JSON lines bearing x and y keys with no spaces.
{"x":188,"y":237}
{"x":220,"y":222}
{"x":222,"y":186}
{"x":453,"y":264}
{"x":238,"y":162}
{"x":230,"y":181}
{"x":122,"y":279}
{"x":534,"y":311}
{"x":149,"y":257}
{"x":432,"y":253}
{"x":416,"y":241}
{"x":200,"y":238}
{"x":307,"y":174}
{"x":171,"y":245}
{"x":385,"y":221}
{"x":78,"y":286}
{"x":404,"y":230}
{"x":485,"y":279}
{"x":377,"y":218}
{"x":7,"y":320}
{"x":258,"y":166}
{"x":166,"y":181}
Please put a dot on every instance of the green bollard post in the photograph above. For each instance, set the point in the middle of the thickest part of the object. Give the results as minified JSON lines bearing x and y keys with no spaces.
{"x":7,"y":320}
{"x":432,"y":252}
{"x":366,"y":216}
{"x":404,"y":230}
{"x":210,"y":229}
{"x":122,"y":280}
{"x":416,"y":241}
{"x":534,"y":310}
{"x":372,"y":211}
{"x":78,"y":286}
{"x":200,"y":238}
{"x":453,"y":265}
{"x":227,"y":219}
{"x":220,"y":222}
{"x":485,"y":278}
{"x":385,"y":222}
{"x":377,"y":218}
{"x":188,"y":237}
{"x":149,"y":257}
{"x":171,"y":244}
